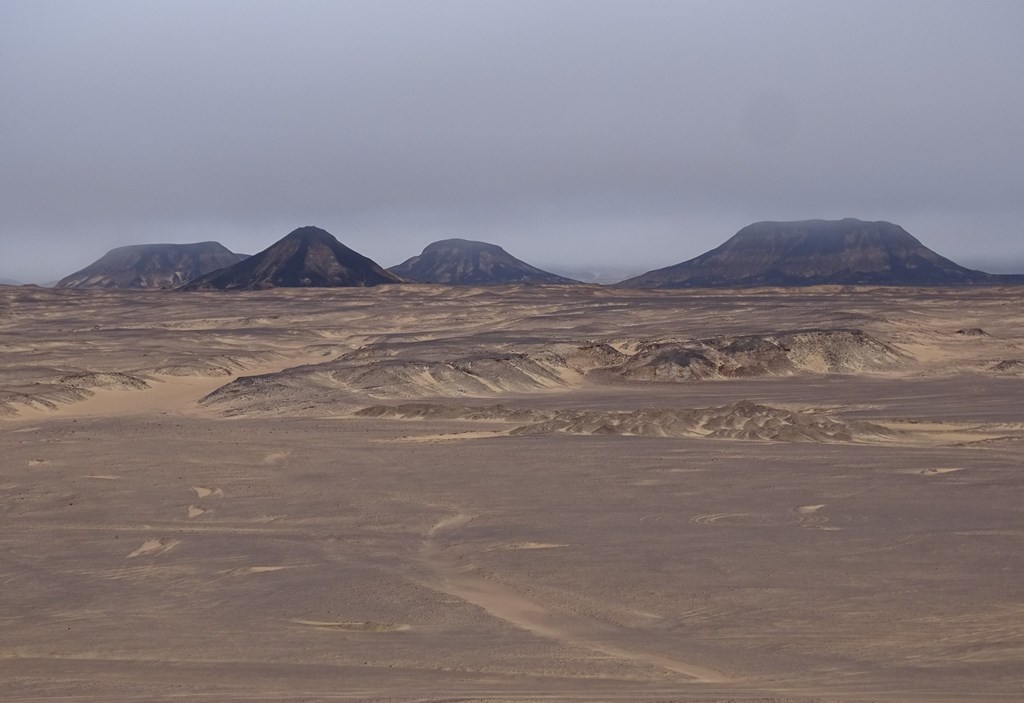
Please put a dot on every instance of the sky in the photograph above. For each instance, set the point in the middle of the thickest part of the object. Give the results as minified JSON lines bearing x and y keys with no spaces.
{"x":577,"y":134}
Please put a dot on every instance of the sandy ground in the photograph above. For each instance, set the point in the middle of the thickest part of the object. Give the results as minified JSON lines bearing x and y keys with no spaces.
{"x":558,"y":494}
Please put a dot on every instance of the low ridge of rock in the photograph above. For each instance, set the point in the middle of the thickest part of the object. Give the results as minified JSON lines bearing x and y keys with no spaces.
{"x":742,"y":420}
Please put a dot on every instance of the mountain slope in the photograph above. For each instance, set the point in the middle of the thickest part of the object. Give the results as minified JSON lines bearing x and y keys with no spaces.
{"x":308,"y":257}
{"x":152,"y":266}
{"x":465,"y":262}
{"x":815,"y":252}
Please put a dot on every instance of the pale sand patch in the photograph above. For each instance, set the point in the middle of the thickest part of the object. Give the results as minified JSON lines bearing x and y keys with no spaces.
{"x":155,"y":547}
{"x":264,"y":569}
{"x":38,"y":462}
{"x":103,"y":477}
{"x":344,"y":626}
{"x":730,"y":519}
{"x":809,"y":519}
{"x":533,"y":545}
{"x":274,"y":457}
{"x":195,"y":511}
{"x":268,"y":569}
{"x":204,"y":492}
{"x":952,"y":432}
{"x":176,"y":394}
{"x":447,"y":437}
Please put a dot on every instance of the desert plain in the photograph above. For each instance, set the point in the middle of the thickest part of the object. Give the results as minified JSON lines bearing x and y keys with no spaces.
{"x":513,"y":493}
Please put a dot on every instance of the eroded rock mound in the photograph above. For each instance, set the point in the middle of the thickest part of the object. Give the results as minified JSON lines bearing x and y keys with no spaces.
{"x":474,"y":376}
{"x":103,"y":381}
{"x":1010,"y":367}
{"x":391,"y":373}
{"x":782,"y":354}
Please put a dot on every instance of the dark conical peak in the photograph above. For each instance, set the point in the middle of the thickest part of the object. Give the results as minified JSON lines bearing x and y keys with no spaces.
{"x":307,"y":257}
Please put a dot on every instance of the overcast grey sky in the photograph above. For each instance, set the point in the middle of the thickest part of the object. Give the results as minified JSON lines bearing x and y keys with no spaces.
{"x":631,"y":134}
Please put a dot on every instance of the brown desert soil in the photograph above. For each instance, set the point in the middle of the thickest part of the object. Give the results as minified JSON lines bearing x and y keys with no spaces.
{"x":512,"y":493}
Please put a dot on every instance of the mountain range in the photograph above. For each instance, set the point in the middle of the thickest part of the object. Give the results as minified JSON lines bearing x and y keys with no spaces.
{"x":801,"y":253}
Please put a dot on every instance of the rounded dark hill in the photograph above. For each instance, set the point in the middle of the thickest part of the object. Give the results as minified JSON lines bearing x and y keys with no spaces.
{"x":152,"y":266}
{"x":309,"y":257}
{"x":465,"y":262}
{"x":817,"y":252}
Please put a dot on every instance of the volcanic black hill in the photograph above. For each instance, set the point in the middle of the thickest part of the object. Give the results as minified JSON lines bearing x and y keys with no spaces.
{"x":817,"y":252}
{"x":465,"y":262}
{"x":152,"y":266}
{"x":309,"y":257}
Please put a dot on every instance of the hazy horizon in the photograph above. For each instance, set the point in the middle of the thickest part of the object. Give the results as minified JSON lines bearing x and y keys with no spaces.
{"x":577,"y":135}
{"x":598,"y":272}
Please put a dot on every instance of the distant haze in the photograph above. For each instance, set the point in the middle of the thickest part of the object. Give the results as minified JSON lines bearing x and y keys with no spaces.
{"x":576,"y":134}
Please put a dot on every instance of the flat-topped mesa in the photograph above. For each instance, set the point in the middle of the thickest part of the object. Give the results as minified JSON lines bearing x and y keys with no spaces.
{"x":817,"y":252}
{"x":308,"y":257}
{"x":152,"y":266}
{"x":465,"y":262}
